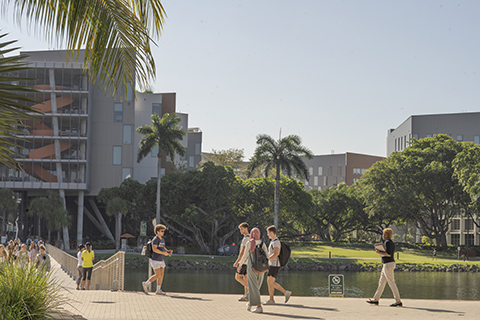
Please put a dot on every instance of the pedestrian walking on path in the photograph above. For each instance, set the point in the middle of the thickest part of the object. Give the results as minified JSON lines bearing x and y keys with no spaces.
{"x":387,"y":274}
{"x":80,"y":250}
{"x":156,"y":261}
{"x":43,"y":260}
{"x":241,"y":262}
{"x":274,"y":267}
{"x":87,"y":265}
{"x":254,"y":278}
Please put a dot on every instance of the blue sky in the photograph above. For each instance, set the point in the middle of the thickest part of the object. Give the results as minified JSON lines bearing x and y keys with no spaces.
{"x":337,"y":73}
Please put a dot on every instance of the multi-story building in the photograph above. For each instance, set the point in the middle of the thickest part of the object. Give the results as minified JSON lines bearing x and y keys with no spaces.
{"x":460,"y":126}
{"x":84,"y":140}
{"x":330,"y":170}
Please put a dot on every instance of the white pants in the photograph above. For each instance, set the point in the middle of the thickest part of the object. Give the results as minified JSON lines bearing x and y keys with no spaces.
{"x":387,"y":276}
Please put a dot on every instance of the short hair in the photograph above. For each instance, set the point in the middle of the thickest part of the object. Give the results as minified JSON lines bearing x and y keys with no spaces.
{"x":42,"y":247}
{"x":243,"y":225}
{"x":272,"y":228}
{"x":159,"y":227}
{"x":388,"y":232}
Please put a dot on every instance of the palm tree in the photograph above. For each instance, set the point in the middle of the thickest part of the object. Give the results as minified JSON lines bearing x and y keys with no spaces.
{"x":7,"y":203}
{"x":40,"y":206}
{"x":166,"y":134}
{"x":282,"y":155}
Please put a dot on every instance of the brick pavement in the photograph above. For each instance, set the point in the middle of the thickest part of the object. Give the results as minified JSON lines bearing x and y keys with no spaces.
{"x":103,"y":305}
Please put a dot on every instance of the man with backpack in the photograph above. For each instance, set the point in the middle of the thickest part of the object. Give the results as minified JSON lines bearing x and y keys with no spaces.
{"x":274,"y":266}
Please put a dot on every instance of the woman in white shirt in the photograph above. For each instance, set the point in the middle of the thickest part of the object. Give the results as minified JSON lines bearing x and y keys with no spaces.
{"x":80,"y":249}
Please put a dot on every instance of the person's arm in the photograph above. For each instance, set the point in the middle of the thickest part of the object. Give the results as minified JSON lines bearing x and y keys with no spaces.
{"x":156,"y":250}
{"x":276,"y":252}
{"x":240,"y":255}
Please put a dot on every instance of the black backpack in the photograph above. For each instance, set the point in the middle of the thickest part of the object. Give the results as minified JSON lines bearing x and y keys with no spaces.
{"x":148,"y":249}
{"x":260,"y":260}
{"x":284,"y":255}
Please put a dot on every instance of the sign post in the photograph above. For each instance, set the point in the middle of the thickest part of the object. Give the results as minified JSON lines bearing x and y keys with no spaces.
{"x":336,"y":285}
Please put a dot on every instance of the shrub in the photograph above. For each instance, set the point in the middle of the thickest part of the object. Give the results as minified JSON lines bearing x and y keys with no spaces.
{"x":26,"y":293}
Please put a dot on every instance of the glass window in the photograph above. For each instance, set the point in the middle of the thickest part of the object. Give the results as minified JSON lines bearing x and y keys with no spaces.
{"x":126,"y":173}
{"x":320,"y":171}
{"x":469,"y":239}
{"x":155,"y":151}
{"x":191,"y":161}
{"x":476,"y":139}
{"x":117,"y":155}
{"x":415,"y":136}
{"x":198,"y":148}
{"x":310,"y":170}
{"x":118,"y":112}
{"x":459,"y":137}
{"x":329,"y":170}
{"x":130,"y":93}
{"x":456,"y":224}
{"x":429,"y":135}
{"x":315,"y":181}
{"x":455,"y":239}
{"x":157,"y":108}
{"x":127,"y":134}
{"x":339,"y":171}
{"x":325,"y":181}
{"x":469,"y":224}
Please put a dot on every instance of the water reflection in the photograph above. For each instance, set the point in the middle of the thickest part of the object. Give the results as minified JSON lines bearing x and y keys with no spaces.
{"x":412,"y":285}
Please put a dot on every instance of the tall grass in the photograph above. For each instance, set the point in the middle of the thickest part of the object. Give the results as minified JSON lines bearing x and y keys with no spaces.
{"x":27,"y":293}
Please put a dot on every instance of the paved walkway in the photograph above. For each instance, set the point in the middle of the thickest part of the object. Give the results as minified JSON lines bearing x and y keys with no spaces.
{"x":103,"y":305}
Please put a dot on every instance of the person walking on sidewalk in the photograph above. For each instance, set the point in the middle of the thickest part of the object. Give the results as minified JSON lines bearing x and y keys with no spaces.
{"x":241,"y":262}
{"x":87,"y":264}
{"x":388,"y":269}
{"x":156,"y":261}
{"x":43,"y":260}
{"x":274,"y":266}
{"x":254,"y":278}
{"x":80,"y":250}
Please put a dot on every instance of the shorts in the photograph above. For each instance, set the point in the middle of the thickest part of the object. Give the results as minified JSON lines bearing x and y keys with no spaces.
{"x":155,"y":264}
{"x":243,"y":270}
{"x":273,"y":271}
{"x":87,"y":273}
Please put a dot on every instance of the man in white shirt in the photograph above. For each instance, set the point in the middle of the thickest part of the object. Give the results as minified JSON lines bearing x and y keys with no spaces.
{"x":241,"y":262}
{"x":274,"y":266}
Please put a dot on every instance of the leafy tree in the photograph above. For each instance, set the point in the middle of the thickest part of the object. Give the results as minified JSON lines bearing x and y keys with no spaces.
{"x":232,"y":157}
{"x":7,"y":203}
{"x":39,"y":206}
{"x":282,"y":155}
{"x":51,"y":209}
{"x":166,"y":134}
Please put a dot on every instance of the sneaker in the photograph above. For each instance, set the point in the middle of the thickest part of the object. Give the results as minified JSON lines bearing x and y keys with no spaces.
{"x":257,"y":310}
{"x":160,"y":292}
{"x":244,"y":298}
{"x":287,"y":295}
{"x":396,"y":304}
{"x":249,"y":307}
{"x":269,"y":302}
{"x":145,"y":286}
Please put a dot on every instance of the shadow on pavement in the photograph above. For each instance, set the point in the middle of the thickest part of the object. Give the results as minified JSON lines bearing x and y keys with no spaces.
{"x":188,"y":298}
{"x":304,"y":307}
{"x":435,"y":310}
{"x":291,"y":316}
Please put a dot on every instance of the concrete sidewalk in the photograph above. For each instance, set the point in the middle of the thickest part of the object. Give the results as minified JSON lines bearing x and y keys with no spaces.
{"x":102,"y":305}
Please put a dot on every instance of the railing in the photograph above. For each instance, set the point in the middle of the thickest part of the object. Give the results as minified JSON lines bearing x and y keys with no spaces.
{"x":106,"y":275}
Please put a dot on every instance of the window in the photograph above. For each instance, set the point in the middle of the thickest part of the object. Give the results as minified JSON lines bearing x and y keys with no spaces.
{"x":469,"y":224}
{"x":476,"y":139}
{"x":157,"y":108}
{"x":415,"y":136}
{"x":118,"y":112}
{"x":126,"y":173}
{"x":459,"y":137}
{"x":315,"y":181}
{"x":355,"y":180}
{"x":130,"y":93}
{"x":357,"y":171}
{"x":329,"y":170}
{"x":310,"y":170}
{"x":117,"y":155}
{"x":306,"y":182}
{"x":455,"y":239}
{"x":198,"y":148}
{"x":191,"y":161}
{"x":324,"y":181}
{"x":339,"y":171}
{"x":456,"y":224}
{"x":469,"y":239}
{"x":154,"y":151}
{"x":319,"y":188}
{"x":429,"y":135}
{"x":127,"y":134}
{"x":320,"y":171}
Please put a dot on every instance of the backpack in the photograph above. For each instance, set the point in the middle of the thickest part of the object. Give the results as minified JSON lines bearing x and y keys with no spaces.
{"x":284,"y":255}
{"x":147,"y":250}
{"x":260,"y":260}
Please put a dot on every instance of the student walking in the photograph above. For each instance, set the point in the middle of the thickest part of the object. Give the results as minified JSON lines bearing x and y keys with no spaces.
{"x":22,"y":256}
{"x":254,"y":278}
{"x":43,"y":260}
{"x":87,"y":265}
{"x":80,"y":250}
{"x":241,"y":262}
{"x":156,"y":261}
{"x":33,"y":251}
{"x":274,"y":266}
{"x":388,"y":269}
{"x":3,"y":254}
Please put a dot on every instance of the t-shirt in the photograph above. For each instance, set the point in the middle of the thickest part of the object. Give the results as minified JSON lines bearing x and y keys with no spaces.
{"x":88,"y":258}
{"x":275,"y":243}
{"x":79,"y":257}
{"x":243,"y":259}
{"x":43,"y":262}
{"x":22,"y":257}
{"x":160,"y":243}
{"x":390,"y":249}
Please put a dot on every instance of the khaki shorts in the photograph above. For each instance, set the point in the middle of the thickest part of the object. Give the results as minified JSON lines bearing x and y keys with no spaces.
{"x":157,"y":264}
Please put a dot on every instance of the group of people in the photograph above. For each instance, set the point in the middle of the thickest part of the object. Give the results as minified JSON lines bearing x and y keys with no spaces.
{"x":85,"y":256}
{"x":16,"y":253}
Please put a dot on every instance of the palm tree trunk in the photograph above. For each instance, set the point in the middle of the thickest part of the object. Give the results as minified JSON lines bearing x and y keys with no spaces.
{"x":276,"y":199}
{"x":4,"y":223}
{"x":118,"y":229}
{"x":159,"y":177}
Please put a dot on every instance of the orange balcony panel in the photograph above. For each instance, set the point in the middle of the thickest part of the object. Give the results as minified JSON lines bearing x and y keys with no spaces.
{"x":46,"y":106}
{"x":39,"y":172}
{"x":46,"y":87}
{"x":48,"y":151}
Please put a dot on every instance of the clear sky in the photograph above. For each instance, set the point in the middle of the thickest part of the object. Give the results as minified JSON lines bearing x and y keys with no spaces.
{"x":337,"y":73}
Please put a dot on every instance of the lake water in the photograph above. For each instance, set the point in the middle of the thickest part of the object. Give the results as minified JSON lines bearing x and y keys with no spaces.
{"x":412,"y":285}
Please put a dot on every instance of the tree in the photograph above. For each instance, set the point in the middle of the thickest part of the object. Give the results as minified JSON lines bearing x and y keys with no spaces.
{"x":165,"y":134}
{"x":282,"y":155}
{"x":39,"y":206}
{"x":7,"y":203}
{"x":49,"y":208}
{"x":232,"y":157}
{"x":116,"y":35}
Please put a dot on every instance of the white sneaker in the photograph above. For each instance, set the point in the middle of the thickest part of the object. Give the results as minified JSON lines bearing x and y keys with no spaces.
{"x":269,"y":302}
{"x":249,"y":307}
{"x":244,"y":298}
{"x":160,"y":292}
{"x":287,"y":295}
{"x":257,"y":310}
{"x":145,"y":286}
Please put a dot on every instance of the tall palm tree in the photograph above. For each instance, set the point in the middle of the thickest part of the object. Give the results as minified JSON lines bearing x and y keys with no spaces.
{"x":282,"y":155}
{"x":117,"y":207}
{"x":7,"y":203}
{"x":166,"y":134}
{"x":116,"y":35}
